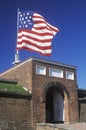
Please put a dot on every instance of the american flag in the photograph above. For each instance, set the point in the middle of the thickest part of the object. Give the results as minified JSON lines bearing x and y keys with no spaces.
{"x":34,"y":33}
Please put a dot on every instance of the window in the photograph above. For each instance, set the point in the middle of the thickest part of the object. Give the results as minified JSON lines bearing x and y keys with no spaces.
{"x":69,"y":75}
{"x":55,"y":72}
{"x":40,"y":70}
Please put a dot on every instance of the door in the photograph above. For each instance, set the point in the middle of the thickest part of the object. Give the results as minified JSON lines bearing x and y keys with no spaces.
{"x":54,"y":107}
{"x":58,"y":104}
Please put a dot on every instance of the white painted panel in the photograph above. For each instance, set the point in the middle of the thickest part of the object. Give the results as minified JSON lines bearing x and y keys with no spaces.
{"x":40,"y":70}
{"x":55,"y":72}
{"x":69,"y":75}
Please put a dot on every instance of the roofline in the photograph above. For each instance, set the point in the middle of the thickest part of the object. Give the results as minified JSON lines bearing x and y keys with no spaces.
{"x":8,"y":81}
{"x":40,"y":60}
{"x":14,"y":95}
{"x":54,"y":63}
{"x":81,"y":89}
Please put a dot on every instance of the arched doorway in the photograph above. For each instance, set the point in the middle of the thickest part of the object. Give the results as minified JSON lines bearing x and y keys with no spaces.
{"x":54,"y":105}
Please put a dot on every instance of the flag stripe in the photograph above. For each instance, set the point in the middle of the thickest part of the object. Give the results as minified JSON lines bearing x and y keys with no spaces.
{"x":40,"y":30}
{"x":43,"y":36}
{"x":26,"y":32}
{"x":42,"y":52}
{"x":28,"y":46}
{"x":35,"y":41}
{"x":34,"y":45}
{"x":42,"y":20}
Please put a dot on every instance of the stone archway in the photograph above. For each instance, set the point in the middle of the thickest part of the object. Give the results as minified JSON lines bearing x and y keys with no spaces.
{"x":56,"y":102}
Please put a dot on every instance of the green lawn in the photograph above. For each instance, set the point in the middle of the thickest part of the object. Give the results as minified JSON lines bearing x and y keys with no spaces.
{"x":9,"y":87}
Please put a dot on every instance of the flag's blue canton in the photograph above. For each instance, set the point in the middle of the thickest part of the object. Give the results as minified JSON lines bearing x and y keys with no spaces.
{"x":25,"y":20}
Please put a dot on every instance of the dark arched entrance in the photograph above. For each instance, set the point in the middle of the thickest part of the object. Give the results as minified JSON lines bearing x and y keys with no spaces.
{"x":54,"y":105}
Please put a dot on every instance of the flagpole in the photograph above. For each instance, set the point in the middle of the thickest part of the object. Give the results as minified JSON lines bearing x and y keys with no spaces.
{"x":17,"y":51}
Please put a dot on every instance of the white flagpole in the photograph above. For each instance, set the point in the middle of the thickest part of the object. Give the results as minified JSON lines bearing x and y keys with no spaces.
{"x":17,"y":51}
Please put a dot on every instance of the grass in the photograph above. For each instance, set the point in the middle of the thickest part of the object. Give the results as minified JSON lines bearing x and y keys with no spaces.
{"x":16,"y":88}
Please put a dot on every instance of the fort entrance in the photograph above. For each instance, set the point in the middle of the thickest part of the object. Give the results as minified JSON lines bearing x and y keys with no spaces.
{"x":54,"y":105}
{"x":56,"y":102}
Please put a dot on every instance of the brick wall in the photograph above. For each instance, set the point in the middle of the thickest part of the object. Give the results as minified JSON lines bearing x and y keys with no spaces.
{"x":15,"y":112}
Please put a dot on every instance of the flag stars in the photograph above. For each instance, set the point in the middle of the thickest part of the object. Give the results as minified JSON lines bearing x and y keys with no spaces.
{"x":21,"y":15}
{"x":19,"y":26}
{"x":26,"y":25}
{"x":30,"y":17}
{"x":30,"y":23}
{"x":22,"y":18}
{"x":26,"y":17}
{"x":25,"y":20}
{"x":28,"y":13}
{"x":28,"y":20}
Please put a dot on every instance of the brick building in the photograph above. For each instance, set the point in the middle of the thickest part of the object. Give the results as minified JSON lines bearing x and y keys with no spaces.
{"x":53,"y":87}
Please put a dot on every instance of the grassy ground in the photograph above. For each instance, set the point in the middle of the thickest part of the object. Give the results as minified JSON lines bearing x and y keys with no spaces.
{"x":9,"y":87}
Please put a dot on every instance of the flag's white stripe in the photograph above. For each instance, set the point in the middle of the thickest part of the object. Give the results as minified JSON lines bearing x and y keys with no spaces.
{"x":40,"y":25}
{"x":53,"y":32}
{"x":42,"y":19}
{"x":35,"y":36}
{"x":34,"y":42}
{"x":41,"y":31}
{"x":33,"y":48}
{"x":38,"y":15}
{"x":53,"y":29}
{"x":38,"y":19}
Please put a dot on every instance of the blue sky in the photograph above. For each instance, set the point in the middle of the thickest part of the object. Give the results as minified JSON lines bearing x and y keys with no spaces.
{"x":68,"y":46}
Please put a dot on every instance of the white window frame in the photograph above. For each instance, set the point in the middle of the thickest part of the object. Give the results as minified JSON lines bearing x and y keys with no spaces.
{"x":55,"y":72}
{"x":40,"y":70}
{"x":69,"y":75}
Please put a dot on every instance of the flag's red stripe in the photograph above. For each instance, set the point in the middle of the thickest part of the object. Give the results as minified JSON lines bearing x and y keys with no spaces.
{"x":35,"y":39}
{"x":45,"y":54}
{"x":44,"y":21}
{"x":38,"y":22}
{"x":38,"y":16}
{"x":33,"y":32}
{"x":30,"y":43}
{"x":40,"y":28}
